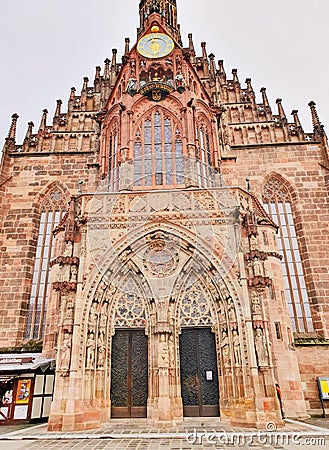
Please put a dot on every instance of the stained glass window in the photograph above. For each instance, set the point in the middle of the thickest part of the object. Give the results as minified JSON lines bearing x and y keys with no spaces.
{"x":51,"y":213}
{"x":158,"y":153}
{"x":113,"y":168}
{"x":204,"y":159}
{"x":277,"y":202}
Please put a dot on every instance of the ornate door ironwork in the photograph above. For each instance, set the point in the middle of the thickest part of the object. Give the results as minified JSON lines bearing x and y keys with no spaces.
{"x":199,"y":375}
{"x":129,"y":380}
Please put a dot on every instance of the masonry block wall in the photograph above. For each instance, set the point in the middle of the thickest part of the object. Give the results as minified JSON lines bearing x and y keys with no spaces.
{"x":253,"y":145}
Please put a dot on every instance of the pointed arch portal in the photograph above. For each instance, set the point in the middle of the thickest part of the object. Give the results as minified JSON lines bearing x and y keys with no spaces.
{"x":199,"y":372}
{"x":129,"y":355}
{"x":173,"y":354}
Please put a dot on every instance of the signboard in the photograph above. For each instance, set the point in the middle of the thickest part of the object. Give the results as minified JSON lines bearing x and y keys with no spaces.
{"x":16,"y":360}
{"x":323,"y":384}
{"x":209,"y":376}
{"x":23,"y":392}
{"x":20,"y":412}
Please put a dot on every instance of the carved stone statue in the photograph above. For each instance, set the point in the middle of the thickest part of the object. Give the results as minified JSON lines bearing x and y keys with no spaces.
{"x":224,"y":291}
{"x":255,"y":303}
{"x":261,"y":348}
{"x":236,"y":348}
{"x":162,"y":311}
{"x":74,"y":274}
{"x":101,"y":351}
{"x":250,"y":269}
{"x":103,"y":317}
{"x":69,"y":311}
{"x":92,"y":317}
{"x":171,"y":350}
{"x":90,"y":351}
{"x":68,"y":249}
{"x":163,"y":355}
{"x":231,"y":310}
{"x":253,"y":242}
{"x":171,"y":313}
{"x":225,"y":348}
{"x":66,"y":351}
{"x":258,"y":270}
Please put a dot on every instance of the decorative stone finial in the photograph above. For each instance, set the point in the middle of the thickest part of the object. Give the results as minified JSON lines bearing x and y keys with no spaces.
{"x":114,"y":59}
{"x":13,"y":125}
{"x":265,"y":99}
{"x":235,"y":75}
{"x":127,"y":42}
{"x":58,"y":108}
{"x":280,"y":109}
{"x":85,"y":83}
{"x":204,"y":51}
{"x":298,"y":125}
{"x":317,"y":127}
{"x":28,"y":135}
{"x":107,"y":69}
{"x":43,"y":122}
{"x":212,"y":64}
{"x":190,"y":43}
{"x":72,"y":94}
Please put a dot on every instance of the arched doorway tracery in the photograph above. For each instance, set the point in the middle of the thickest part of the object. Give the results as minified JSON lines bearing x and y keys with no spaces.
{"x":118,"y":307}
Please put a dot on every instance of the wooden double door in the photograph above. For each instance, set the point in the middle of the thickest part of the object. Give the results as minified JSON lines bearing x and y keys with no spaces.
{"x":198,"y":368}
{"x":199,"y":375}
{"x":129,"y":376}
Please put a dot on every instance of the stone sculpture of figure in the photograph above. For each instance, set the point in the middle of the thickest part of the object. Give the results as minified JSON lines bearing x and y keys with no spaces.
{"x":255,"y":303}
{"x":236,"y":348}
{"x":68,"y":249}
{"x":103,"y":317}
{"x":225,"y":348}
{"x":224,"y":291}
{"x":179,"y":79}
{"x":231,"y":310}
{"x":69,"y":310}
{"x":132,"y":86}
{"x":261,"y":349}
{"x":101,"y":350}
{"x":258,"y":272}
{"x":163,"y":358}
{"x":250,"y":269}
{"x":171,"y":313}
{"x":92,"y":317}
{"x":162,"y":311}
{"x":74,"y":274}
{"x":66,"y":352}
{"x":221,"y":313}
{"x":253,"y":242}
{"x":90,"y":351}
{"x":171,"y":350}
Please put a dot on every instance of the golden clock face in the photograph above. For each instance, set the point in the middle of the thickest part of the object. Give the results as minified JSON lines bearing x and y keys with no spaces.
{"x":155,"y":45}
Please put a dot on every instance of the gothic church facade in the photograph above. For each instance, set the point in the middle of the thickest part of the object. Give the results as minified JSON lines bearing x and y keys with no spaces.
{"x":167,"y":239}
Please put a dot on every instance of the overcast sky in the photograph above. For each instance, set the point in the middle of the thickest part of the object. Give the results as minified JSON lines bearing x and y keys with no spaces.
{"x":47,"y":46}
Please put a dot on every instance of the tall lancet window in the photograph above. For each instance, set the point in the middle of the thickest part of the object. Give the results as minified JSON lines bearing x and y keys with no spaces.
{"x":113,"y":163}
{"x":204,"y":158}
{"x":158,"y":153}
{"x":277,"y":202}
{"x":52,"y":211}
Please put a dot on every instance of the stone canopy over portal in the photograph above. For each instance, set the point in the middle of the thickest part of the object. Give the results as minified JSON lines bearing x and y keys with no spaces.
{"x":158,"y":265}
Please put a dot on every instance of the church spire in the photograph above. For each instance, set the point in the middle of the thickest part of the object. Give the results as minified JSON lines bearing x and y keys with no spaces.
{"x":164,"y":11}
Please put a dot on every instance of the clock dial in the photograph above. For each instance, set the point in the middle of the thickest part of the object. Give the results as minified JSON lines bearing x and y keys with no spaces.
{"x":155,"y":45}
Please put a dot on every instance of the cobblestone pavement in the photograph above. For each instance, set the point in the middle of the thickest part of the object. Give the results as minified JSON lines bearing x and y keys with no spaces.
{"x":191,"y":434}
